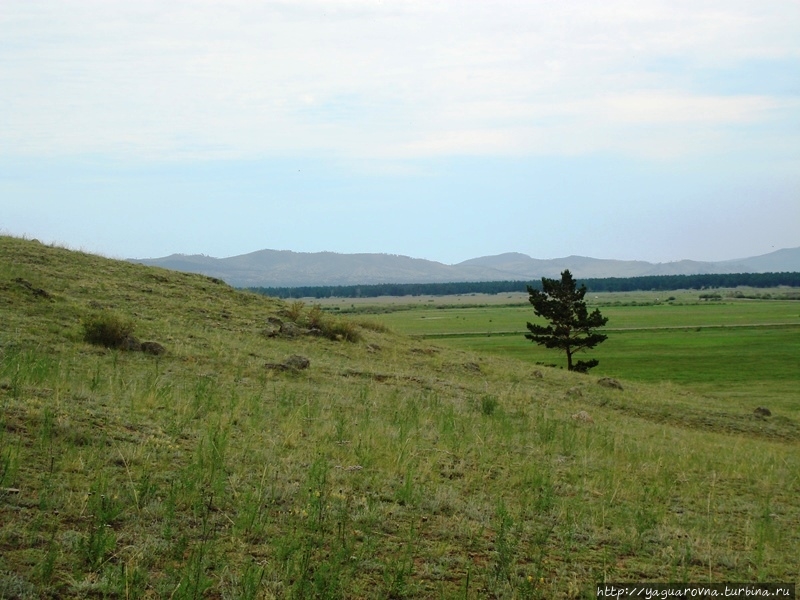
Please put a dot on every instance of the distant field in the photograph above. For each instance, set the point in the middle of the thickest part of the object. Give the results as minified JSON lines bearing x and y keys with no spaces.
{"x":482,"y":319}
{"x":733,"y":348}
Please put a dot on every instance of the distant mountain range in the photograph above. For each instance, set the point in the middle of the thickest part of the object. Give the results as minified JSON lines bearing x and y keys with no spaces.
{"x":283,"y":268}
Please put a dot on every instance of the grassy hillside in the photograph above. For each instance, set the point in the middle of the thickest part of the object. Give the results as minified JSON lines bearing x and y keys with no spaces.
{"x":389,"y":468}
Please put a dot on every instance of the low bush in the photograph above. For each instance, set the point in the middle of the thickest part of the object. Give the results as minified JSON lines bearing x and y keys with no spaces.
{"x":338,"y":329}
{"x":295,"y":311}
{"x":321,"y":323}
{"x":108,"y":329}
{"x":316,"y":318}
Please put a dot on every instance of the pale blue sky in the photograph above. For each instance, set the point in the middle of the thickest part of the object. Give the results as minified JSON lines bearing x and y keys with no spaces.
{"x":628,"y":129}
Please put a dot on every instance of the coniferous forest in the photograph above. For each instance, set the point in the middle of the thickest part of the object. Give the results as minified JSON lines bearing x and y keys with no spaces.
{"x":609,"y":284}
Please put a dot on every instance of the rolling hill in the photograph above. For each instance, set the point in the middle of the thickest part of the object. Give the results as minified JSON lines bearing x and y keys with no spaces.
{"x":275,"y":268}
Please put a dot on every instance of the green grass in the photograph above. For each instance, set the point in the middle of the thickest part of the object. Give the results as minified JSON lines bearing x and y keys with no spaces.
{"x":738,"y":348}
{"x":392,"y":467}
{"x":496,"y":319}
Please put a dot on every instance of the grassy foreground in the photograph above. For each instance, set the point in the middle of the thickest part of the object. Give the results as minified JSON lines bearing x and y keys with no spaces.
{"x":391,"y":467}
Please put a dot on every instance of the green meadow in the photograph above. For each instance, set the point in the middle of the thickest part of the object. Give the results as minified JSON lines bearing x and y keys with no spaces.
{"x":737,"y":348}
{"x":278,"y":450}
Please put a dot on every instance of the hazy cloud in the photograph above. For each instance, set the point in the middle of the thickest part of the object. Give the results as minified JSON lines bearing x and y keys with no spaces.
{"x":670,"y":128}
{"x":368,"y":78}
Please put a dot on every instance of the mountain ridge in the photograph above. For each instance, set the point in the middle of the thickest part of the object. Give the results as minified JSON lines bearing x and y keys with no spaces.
{"x":286,"y":268}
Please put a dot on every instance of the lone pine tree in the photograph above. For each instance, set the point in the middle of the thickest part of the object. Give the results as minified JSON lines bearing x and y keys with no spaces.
{"x":571,"y":325}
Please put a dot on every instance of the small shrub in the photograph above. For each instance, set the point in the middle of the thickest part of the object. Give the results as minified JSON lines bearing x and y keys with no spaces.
{"x":316,"y":318}
{"x":109,"y":330}
{"x":320,"y":323}
{"x":294,"y":312}
{"x":331,"y":327}
{"x":336,"y":329}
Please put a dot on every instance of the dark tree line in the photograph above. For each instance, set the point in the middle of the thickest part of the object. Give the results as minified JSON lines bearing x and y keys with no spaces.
{"x":692,"y":282}
{"x":609,"y":284}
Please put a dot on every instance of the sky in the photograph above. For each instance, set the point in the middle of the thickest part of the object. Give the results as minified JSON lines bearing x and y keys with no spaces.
{"x":623,"y":129}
